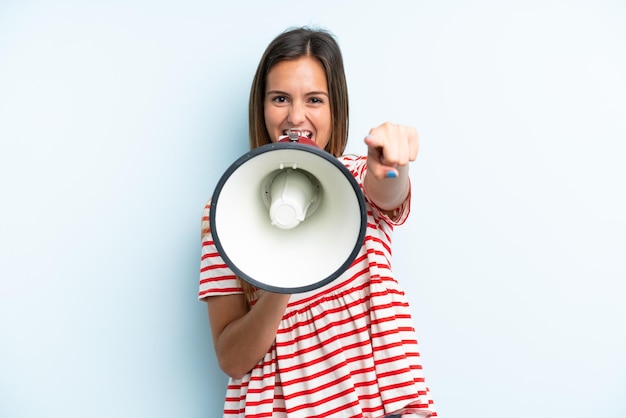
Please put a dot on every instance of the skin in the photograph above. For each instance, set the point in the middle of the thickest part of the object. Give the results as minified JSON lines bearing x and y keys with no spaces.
{"x":297,"y":97}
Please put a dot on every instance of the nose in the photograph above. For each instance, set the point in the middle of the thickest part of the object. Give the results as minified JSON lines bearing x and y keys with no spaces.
{"x":297,"y":114}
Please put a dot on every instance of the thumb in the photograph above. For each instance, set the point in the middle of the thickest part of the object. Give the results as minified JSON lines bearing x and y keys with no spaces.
{"x":376,"y":159}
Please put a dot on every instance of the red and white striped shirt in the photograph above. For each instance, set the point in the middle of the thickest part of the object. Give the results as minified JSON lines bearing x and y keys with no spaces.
{"x":347,"y":349}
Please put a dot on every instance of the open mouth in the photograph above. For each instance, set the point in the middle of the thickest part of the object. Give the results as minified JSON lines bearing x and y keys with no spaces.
{"x":297,"y":133}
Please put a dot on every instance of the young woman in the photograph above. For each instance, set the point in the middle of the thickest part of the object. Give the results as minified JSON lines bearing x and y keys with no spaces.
{"x":347,"y":349}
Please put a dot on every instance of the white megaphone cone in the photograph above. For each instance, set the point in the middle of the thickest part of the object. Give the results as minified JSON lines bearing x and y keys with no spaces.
{"x":288,"y":217}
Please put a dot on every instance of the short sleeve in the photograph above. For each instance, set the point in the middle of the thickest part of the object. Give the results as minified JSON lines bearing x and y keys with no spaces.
{"x":216,"y":278}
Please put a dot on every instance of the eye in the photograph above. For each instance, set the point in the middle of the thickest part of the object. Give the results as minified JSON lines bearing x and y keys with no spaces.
{"x":316,"y":100}
{"x":280,"y":99}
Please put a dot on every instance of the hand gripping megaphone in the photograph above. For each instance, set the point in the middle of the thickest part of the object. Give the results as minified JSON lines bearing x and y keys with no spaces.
{"x":288,"y":217}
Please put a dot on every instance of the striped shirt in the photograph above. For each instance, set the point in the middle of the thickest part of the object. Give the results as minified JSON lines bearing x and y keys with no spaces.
{"x":347,"y":349}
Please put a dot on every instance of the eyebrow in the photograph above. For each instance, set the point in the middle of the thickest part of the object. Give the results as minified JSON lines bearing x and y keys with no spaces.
{"x":311,"y":93}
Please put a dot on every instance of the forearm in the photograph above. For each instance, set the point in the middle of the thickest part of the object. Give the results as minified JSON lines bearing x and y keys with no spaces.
{"x":244,"y":341}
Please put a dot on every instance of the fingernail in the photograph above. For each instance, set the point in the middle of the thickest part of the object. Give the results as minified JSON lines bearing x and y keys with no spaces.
{"x":391,"y":174}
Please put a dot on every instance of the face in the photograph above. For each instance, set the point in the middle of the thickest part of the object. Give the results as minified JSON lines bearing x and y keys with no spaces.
{"x":297,"y":98}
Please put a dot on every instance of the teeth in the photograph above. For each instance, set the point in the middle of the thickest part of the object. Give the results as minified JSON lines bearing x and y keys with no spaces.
{"x":308,"y":134}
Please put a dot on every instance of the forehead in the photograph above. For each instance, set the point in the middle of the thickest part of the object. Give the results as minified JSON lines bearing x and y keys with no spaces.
{"x":304,"y":71}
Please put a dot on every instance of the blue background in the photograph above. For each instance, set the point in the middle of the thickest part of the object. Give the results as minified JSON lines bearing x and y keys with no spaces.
{"x":117,"y":119}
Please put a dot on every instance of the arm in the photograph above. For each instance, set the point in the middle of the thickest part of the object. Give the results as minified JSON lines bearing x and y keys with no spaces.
{"x":242,"y":336}
{"x":390,"y":150}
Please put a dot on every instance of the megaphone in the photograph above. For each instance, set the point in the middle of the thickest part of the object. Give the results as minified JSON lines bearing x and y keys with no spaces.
{"x":288,"y":217}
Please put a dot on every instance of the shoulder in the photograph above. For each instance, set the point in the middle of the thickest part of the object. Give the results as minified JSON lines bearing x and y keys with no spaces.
{"x":355,"y":163}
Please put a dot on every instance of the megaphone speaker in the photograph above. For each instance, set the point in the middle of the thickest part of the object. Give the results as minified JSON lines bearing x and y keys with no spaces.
{"x":288,"y":217}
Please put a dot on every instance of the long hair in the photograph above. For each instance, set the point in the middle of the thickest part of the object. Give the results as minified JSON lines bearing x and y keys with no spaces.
{"x":290,"y":45}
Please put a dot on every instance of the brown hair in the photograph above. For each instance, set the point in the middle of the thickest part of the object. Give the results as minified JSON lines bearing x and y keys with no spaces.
{"x":290,"y":45}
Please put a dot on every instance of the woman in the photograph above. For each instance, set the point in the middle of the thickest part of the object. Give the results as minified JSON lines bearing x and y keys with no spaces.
{"x":347,"y":349}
